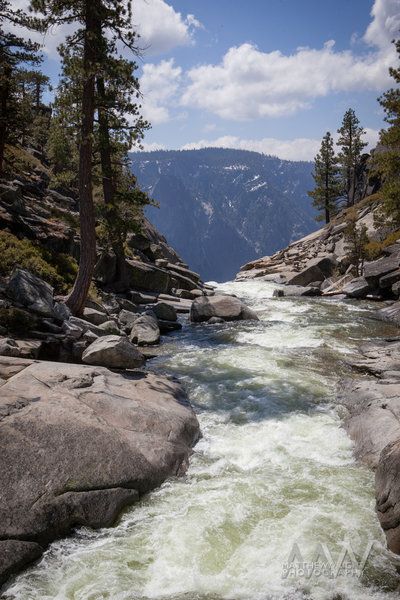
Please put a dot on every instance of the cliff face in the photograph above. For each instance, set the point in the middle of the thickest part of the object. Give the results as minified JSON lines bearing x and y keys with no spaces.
{"x":219,"y":207}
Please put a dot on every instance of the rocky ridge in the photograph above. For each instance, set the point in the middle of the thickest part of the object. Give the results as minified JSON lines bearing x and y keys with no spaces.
{"x":319,"y":264}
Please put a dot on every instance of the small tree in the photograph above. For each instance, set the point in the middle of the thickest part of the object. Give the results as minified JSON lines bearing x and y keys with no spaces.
{"x":326,"y":177}
{"x":121,"y":217}
{"x":14,"y":52}
{"x":356,"y":240}
{"x":388,"y":161}
{"x":350,"y":154}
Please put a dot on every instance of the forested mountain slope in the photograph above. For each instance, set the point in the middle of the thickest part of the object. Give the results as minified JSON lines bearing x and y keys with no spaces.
{"x":220,"y":208}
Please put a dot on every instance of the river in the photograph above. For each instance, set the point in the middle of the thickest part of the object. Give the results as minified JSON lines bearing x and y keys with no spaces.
{"x":273,"y":474}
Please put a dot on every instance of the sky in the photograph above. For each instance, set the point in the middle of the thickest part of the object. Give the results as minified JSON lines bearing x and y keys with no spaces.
{"x":266,"y":75}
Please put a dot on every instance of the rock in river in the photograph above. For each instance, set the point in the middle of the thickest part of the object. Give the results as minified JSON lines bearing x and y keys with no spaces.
{"x":78,"y":444}
{"x":225,"y":307}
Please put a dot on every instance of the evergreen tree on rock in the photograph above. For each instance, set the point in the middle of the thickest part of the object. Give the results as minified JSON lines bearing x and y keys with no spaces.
{"x":326,"y":175}
{"x":349,"y":156}
{"x":118,"y":127}
{"x":388,"y":160}
{"x":101,"y":25}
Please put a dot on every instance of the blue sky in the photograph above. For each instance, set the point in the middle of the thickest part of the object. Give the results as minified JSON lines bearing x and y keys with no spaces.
{"x":265,"y":75}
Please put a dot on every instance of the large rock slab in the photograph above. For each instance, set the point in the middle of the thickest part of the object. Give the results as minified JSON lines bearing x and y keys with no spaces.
{"x":147,"y":277}
{"x":78,"y":444}
{"x":317,"y":269}
{"x":358,"y":287}
{"x":228,"y":308}
{"x":374,"y":402}
{"x":96,"y":317}
{"x":373,"y":422}
{"x":113,"y":351}
{"x":164,"y":311}
{"x":373,"y":271}
{"x":387,"y":486}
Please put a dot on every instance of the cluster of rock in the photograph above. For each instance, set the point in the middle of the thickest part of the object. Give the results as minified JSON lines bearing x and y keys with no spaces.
{"x":318,"y":265}
{"x":373,"y":422}
{"x":104,"y":331}
{"x":116,"y":333}
{"x":79,"y":443}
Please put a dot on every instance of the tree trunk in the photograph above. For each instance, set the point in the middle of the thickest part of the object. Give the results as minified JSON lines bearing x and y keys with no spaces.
{"x":327,"y":207}
{"x":4,"y":95}
{"x":77,"y":298}
{"x":107,"y":175}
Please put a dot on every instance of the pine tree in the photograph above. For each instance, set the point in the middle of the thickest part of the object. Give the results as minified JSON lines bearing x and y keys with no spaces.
{"x":14,"y":51}
{"x":388,"y":161}
{"x":350,"y":154}
{"x":355,"y":242}
{"x":326,"y":175}
{"x":102,"y":24}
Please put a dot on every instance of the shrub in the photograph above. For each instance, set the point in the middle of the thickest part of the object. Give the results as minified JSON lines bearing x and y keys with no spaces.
{"x":56,"y":268}
{"x":17,"y":320}
{"x":374,"y":248}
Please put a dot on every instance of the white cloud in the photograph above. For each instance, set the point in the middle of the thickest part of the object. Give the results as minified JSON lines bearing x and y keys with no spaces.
{"x":159,"y":84}
{"x":297,"y":149}
{"x":251,"y":84}
{"x":385,"y":24}
{"x":161,"y":28}
{"x":371,"y":137}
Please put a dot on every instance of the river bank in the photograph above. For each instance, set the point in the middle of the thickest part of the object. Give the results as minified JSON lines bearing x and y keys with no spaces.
{"x":274,"y":468}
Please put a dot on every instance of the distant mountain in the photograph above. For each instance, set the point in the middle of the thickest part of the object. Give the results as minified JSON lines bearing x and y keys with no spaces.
{"x":220,"y":208}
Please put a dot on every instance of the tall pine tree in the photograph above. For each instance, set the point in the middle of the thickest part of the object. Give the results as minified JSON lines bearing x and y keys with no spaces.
{"x":326,"y":175}
{"x":101,"y":25}
{"x":388,"y":161}
{"x":14,"y":52}
{"x":349,"y":156}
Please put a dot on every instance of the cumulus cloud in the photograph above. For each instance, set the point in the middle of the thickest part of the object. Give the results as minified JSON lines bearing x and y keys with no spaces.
{"x":371,"y":137}
{"x":296,"y":149}
{"x":251,"y":84}
{"x":385,"y":24}
{"x":159,"y":84}
{"x":161,"y":28}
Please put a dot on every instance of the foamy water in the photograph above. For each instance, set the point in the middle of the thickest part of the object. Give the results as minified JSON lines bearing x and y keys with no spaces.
{"x":274,"y":468}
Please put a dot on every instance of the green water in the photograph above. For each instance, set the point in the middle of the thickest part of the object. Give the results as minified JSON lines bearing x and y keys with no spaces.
{"x":274,"y":468}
